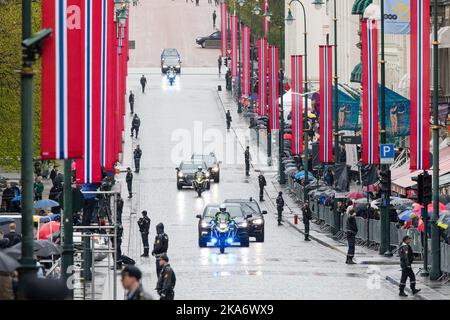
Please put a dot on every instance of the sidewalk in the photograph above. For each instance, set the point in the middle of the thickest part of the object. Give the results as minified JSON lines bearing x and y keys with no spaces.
{"x":387,"y":267}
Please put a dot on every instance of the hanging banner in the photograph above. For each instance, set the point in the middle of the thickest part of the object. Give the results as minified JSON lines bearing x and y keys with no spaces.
{"x":326,"y":106}
{"x":297,"y":104}
{"x":62,"y":80}
{"x":89,"y":168}
{"x":370,"y":145}
{"x":223,"y":29}
{"x":397,"y":119}
{"x":348,"y":111}
{"x":420,"y":85}
{"x":234,"y":46}
{"x":274,"y":112}
{"x":397,"y":16}
{"x":246,"y":61}
{"x":266,"y":23}
{"x":262,"y":77}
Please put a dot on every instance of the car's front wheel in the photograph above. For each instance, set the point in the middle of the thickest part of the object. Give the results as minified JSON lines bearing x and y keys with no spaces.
{"x":202,"y":242}
{"x":179,"y":186}
{"x":203,"y":44}
{"x":245,"y":242}
{"x":260,"y":237}
{"x":217,"y":178}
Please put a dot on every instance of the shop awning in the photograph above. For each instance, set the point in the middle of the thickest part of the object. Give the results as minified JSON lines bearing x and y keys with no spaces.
{"x":360,"y":5}
{"x":356,"y":75}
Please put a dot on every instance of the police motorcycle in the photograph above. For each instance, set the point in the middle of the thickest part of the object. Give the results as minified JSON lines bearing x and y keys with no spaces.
{"x":223,"y":229}
{"x":171,"y":75}
{"x":201,"y":181}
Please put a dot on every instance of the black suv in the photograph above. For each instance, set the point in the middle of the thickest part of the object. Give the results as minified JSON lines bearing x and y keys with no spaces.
{"x":201,"y":41}
{"x":212,"y":163}
{"x":256,"y":221}
{"x":186,"y":171}
{"x":170,"y":57}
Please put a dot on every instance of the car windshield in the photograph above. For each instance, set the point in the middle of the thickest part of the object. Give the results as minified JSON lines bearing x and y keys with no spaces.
{"x":250,"y":207}
{"x":234,"y":211}
{"x":170,"y":52}
{"x":171,"y":61}
{"x":192,"y":165}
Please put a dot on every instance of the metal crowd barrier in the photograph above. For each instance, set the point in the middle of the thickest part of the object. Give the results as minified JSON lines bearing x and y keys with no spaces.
{"x":445,"y":258}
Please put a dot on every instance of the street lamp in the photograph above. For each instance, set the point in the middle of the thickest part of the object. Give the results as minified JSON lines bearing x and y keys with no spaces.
{"x":257,"y":9}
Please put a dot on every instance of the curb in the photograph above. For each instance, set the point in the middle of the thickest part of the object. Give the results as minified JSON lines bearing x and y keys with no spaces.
{"x":397,"y":283}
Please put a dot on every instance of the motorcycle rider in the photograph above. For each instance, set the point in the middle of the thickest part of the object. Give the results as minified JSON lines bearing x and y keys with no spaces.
{"x":199,"y":173}
{"x":160,"y":245}
{"x":144,"y":226}
{"x":222,"y":213}
{"x":171,"y":74}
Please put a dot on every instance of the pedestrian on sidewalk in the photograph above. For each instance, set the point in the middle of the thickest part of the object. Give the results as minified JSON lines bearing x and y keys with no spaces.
{"x":406,"y":259}
{"x":143,"y":83}
{"x":38,"y":188}
{"x":144,"y":228}
{"x":214,"y":17}
{"x":219,"y":64}
{"x":135,"y":124}
{"x":280,"y":207}
{"x":247,"y":158}
{"x":262,"y":183}
{"x":229,"y":119}
{"x":352,"y":230}
{"x":307,"y":216}
{"x":131,"y":101}
{"x":137,"y":154}
{"x":160,"y":246}
{"x":131,"y":282}
{"x":166,"y":281}
{"x":129,"y":180}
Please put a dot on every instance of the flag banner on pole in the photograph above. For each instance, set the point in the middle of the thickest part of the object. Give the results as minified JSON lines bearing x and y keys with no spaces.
{"x":246,"y":61}
{"x":274,"y":112}
{"x":297,"y":104}
{"x":234,"y":46}
{"x":223,"y":29}
{"x":326,"y":104}
{"x":266,"y":23}
{"x":370,"y":145}
{"x":62,"y":80}
{"x":420,"y":85}
{"x":262,"y":76}
{"x":89,"y":168}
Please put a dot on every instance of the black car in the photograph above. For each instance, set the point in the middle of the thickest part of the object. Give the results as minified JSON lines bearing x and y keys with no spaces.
{"x":211,"y":162}
{"x":170,"y":57}
{"x":235,"y":211}
{"x":213,"y":36}
{"x":186,"y":171}
{"x":256,"y":221}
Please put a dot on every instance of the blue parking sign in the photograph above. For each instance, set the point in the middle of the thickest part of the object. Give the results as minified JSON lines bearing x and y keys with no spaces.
{"x":387,"y":153}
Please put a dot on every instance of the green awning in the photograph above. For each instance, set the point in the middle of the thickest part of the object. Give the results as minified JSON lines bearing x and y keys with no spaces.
{"x":356,"y":74}
{"x":360,"y":5}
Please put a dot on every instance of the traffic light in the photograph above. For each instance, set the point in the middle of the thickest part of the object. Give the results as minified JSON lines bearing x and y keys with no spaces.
{"x":427,"y":188}
{"x":385,"y":182}
{"x":419,"y":179}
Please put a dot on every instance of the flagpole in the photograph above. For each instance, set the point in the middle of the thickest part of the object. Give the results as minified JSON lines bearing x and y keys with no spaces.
{"x":67,"y":254}
{"x":336,"y":93}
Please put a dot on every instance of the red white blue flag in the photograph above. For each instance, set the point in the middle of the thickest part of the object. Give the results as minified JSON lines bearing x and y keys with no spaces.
{"x":246,"y":61}
{"x":274,"y":112}
{"x":223,"y":29}
{"x":297,"y":104}
{"x":262,"y":76}
{"x":370,"y":147}
{"x":62,"y":80}
{"x":89,"y":168}
{"x":420,"y":85}
{"x":234,"y":46}
{"x":326,"y":105}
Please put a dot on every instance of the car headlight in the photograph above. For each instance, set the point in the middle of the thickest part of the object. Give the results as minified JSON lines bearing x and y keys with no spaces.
{"x":215,"y":169}
{"x":207,"y":174}
{"x":180,"y":174}
{"x":204,"y":224}
{"x":243,"y":224}
{"x":258,"y":221}
{"x":178,"y":67}
{"x":164,"y":66}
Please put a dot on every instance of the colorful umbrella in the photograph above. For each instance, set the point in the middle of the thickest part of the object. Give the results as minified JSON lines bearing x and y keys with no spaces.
{"x":45,"y":203}
{"x":442,"y":207}
{"x":48,"y":229}
{"x":407,"y":215}
{"x":444,"y":220}
{"x":356,"y":195}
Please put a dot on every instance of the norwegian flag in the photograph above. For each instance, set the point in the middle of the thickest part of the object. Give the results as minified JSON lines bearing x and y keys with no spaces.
{"x":274,"y":112}
{"x":234,"y":46}
{"x":420,"y":85}
{"x":246,"y":61}
{"x":262,"y":76}
{"x":223,"y":29}
{"x":326,"y":105}
{"x":297,"y":103}
{"x":370,"y":153}
{"x":62,"y":80}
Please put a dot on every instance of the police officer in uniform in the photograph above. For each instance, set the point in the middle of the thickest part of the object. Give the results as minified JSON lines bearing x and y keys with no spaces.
{"x":129,"y":180}
{"x":137,"y":154}
{"x":229,"y":119}
{"x":166,"y":280}
{"x":247,"y":161}
{"x":280,"y":207}
{"x":131,"y":281}
{"x":144,"y":227}
{"x":406,"y":260}
{"x":262,"y":183}
{"x":307,"y":216}
{"x":160,"y":246}
{"x":352,"y":230}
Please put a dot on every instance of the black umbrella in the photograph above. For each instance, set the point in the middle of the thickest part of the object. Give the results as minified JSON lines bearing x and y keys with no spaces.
{"x":5,"y":220}
{"x":8,"y":263}
{"x":42,"y":248}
